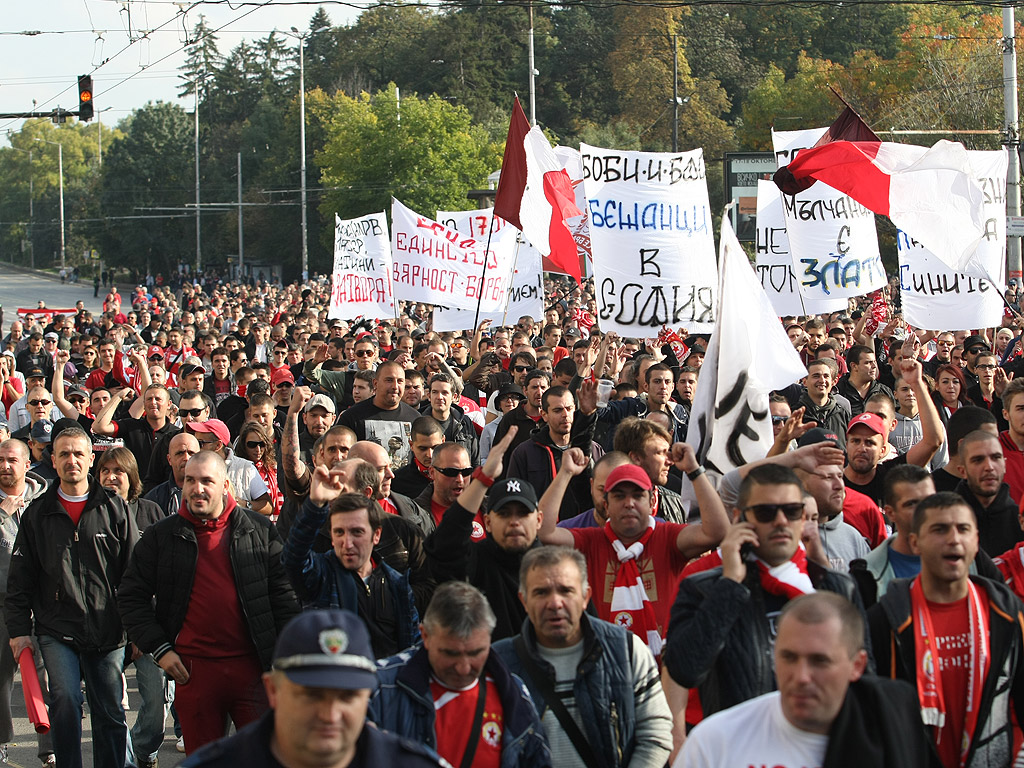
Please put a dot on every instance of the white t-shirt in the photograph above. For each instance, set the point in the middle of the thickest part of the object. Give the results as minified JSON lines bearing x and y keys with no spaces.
{"x":752,"y":733}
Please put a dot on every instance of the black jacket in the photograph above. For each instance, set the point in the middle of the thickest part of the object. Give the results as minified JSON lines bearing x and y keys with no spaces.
{"x":538,"y":459}
{"x":66,"y":577}
{"x":834,"y":416}
{"x":998,"y":526}
{"x":409,"y":480}
{"x":451,"y":556}
{"x":879,"y":725}
{"x":517,"y":417}
{"x":163,"y":567}
{"x":847,"y":390}
{"x":719,"y":638}
{"x":460,"y":429}
{"x":891,"y":623}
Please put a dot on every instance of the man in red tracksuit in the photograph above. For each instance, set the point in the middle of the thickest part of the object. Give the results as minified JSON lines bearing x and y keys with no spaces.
{"x":221,"y":598}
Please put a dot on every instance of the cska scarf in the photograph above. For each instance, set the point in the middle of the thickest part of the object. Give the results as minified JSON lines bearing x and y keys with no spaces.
{"x":929,"y":674}
{"x":787,"y":580}
{"x":631,"y":609}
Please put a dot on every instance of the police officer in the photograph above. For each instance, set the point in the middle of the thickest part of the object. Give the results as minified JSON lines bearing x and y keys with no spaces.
{"x":319,"y":688}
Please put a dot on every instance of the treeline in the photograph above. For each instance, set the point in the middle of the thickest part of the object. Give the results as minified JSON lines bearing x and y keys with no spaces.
{"x":413,"y":101}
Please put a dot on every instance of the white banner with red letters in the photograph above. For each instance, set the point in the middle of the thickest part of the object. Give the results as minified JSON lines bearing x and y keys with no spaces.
{"x":361,"y":283}
{"x":436,"y":264}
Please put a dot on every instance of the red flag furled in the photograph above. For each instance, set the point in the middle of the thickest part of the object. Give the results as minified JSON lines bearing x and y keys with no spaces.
{"x":849,"y":126}
{"x":583,"y":319}
{"x":535,"y":194}
{"x":37,"y":713}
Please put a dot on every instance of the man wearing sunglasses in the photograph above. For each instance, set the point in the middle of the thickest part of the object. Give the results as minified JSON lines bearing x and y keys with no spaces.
{"x":724,"y":620}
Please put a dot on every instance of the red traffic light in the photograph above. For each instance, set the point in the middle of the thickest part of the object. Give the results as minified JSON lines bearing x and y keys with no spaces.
{"x":85,"y":110}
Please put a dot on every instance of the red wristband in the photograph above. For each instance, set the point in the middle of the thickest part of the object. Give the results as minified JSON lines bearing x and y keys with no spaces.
{"x":478,"y":474}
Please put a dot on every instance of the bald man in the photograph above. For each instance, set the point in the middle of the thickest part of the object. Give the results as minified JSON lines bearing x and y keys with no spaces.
{"x":206,"y":594}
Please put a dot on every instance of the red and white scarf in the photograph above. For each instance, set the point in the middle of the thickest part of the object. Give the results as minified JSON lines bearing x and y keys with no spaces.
{"x":631,"y":609}
{"x":787,"y":580}
{"x":929,"y":676}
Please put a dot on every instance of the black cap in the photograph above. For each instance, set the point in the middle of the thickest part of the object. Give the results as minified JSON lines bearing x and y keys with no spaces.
{"x":35,"y":372}
{"x":326,"y":649}
{"x":512,"y":489}
{"x":511,"y":389}
{"x":976,"y":341}
{"x":818,"y":435}
{"x":188,"y":369}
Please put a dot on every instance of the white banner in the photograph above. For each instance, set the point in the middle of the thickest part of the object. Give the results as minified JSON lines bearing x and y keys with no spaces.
{"x":526,"y":291}
{"x":832,"y":237}
{"x":935,"y":297}
{"x":775,"y":262}
{"x":438,"y":265}
{"x":361,"y":283}
{"x":749,"y":356}
{"x":652,"y":240}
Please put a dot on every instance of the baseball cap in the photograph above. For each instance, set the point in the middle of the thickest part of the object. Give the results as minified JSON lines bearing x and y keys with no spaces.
{"x":155,"y":351}
{"x":818,"y":435}
{"x":870,"y":420}
{"x":51,"y":335}
{"x":320,"y":401}
{"x":628,"y":473}
{"x":215,"y":427}
{"x":77,"y":392}
{"x":42,"y":431}
{"x":509,"y":490}
{"x":281,"y":374}
{"x":326,"y":649}
{"x":188,"y":369}
{"x":35,"y":373}
{"x":975,"y":341}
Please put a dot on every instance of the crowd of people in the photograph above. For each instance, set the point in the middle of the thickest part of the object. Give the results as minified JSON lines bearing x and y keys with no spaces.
{"x":362,"y":541}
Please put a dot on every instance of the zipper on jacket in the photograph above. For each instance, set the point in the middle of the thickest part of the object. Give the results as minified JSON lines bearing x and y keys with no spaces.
{"x":616,"y":734}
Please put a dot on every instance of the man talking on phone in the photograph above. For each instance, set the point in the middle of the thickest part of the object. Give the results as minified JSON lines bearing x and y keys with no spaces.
{"x":723,"y":623}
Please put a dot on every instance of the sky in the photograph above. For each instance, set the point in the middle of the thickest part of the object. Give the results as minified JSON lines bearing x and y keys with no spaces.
{"x":79,"y":36}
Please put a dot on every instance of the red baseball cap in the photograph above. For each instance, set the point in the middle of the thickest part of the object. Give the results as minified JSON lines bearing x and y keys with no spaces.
{"x":870,"y":420}
{"x":155,"y":351}
{"x":628,"y":473}
{"x":281,"y":374}
{"x":215,"y":427}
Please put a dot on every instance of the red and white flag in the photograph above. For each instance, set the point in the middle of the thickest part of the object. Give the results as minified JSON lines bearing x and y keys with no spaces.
{"x":929,"y":193}
{"x":536,"y":195}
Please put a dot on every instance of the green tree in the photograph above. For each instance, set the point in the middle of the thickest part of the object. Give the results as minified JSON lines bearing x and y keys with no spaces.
{"x":429,"y":156}
{"x":148,"y":169}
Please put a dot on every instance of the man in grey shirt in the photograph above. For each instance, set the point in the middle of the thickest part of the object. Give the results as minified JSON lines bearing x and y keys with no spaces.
{"x":595,"y":684}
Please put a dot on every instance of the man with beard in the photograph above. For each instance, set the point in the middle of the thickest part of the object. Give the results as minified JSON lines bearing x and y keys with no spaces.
{"x":983,"y":467}
{"x":842,"y":542}
{"x":511,"y":522}
{"x":206,"y":594}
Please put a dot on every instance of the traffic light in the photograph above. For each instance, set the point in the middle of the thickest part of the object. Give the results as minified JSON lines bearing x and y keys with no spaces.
{"x":85,"y":110}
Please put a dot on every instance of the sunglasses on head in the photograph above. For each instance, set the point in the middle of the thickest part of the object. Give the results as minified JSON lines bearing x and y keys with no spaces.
{"x":766,"y":513}
{"x":454,"y":471}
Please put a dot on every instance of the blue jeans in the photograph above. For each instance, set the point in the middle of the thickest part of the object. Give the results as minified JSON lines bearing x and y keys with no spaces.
{"x":66,"y":668}
{"x":157,"y":693}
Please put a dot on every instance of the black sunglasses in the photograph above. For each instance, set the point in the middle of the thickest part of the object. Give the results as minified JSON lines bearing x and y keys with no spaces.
{"x":193,"y":412}
{"x":255,"y":444}
{"x":779,"y":419}
{"x":520,"y":368}
{"x":766,"y":513}
{"x":455,"y":471}
{"x":38,"y":402}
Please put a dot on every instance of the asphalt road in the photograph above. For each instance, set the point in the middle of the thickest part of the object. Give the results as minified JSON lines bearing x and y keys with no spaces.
{"x":25,"y":289}
{"x":23,"y":751}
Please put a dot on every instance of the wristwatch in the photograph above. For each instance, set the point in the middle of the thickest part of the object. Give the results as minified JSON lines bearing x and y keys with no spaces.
{"x":696,"y":473}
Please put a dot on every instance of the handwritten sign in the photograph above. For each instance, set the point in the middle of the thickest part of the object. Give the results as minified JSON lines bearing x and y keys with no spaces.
{"x":652,"y":240}
{"x":439,"y":265}
{"x":526,"y":289}
{"x":832,"y":237}
{"x":774,"y":262}
{"x":361,"y":282}
{"x":934,"y":296}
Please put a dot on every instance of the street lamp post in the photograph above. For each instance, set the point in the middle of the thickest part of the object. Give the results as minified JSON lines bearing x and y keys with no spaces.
{"x":301,"y":37}
{"x":60,"y":172}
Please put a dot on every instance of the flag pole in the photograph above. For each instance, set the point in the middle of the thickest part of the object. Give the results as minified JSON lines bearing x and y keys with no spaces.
{"x":515,"y":260}
{"x":483,"y":275}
